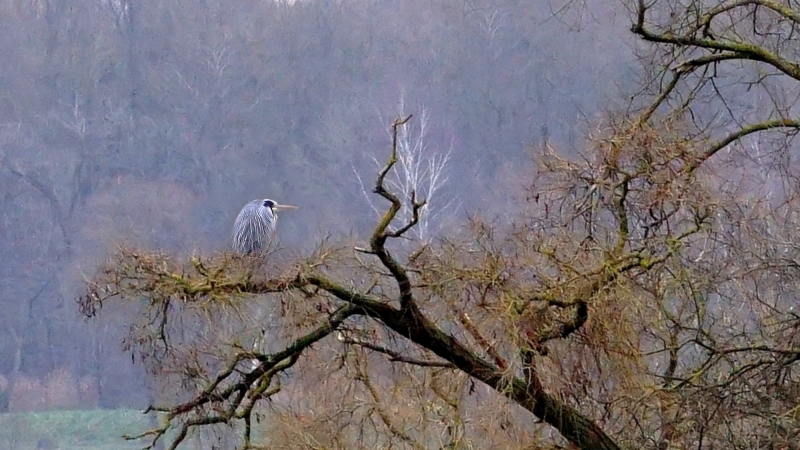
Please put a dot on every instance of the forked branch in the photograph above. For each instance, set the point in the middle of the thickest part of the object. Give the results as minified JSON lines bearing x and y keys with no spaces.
{"x":382,"y":233}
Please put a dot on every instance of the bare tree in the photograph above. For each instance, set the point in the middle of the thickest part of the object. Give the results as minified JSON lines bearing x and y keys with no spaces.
{"x":420,"y":171}
{"x":605,"y":313}
{"x":503,"y":312}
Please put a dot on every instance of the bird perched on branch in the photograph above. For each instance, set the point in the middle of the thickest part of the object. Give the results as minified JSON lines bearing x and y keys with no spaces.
{"x":254,"y":229}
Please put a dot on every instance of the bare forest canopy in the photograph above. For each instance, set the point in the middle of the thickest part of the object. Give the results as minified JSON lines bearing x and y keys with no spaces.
{"x":600,"y":253}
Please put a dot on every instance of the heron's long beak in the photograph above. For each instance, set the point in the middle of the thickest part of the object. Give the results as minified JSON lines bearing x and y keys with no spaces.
{"x":278,"y":207}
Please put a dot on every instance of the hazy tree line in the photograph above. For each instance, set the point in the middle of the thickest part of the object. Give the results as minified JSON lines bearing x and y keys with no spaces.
{"x":153,"y":122}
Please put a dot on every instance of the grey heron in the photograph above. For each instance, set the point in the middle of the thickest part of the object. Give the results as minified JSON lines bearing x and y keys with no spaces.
{"x":254,"y":229}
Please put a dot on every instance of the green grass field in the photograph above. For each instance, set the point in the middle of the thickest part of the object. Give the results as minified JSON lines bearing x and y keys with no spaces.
{"x":72,"y":430}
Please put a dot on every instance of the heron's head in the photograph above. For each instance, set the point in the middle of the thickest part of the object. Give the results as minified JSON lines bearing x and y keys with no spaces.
{"x":275,"y":206}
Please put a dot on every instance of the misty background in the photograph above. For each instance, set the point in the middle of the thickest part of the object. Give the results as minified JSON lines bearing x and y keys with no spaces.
{"x":153,"y":122}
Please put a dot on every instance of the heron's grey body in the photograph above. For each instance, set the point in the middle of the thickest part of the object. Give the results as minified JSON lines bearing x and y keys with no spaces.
{"x":254,"y":229}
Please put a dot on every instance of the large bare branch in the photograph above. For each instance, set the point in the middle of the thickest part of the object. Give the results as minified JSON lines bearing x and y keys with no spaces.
{"x":575,"y":427}
{"x":791,"y":124}
{"x":745,"y":50}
